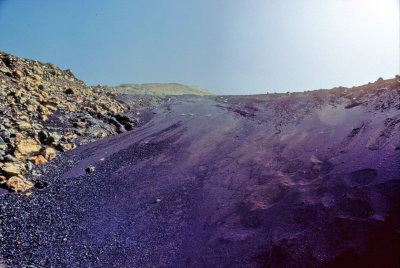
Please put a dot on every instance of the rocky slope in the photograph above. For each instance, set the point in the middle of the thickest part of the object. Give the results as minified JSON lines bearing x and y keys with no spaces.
{"x":44,"y":110}
{"x":281,"y":180}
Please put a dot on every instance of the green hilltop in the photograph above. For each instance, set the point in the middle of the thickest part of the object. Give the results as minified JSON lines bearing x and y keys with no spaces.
{"x":161,"y":89}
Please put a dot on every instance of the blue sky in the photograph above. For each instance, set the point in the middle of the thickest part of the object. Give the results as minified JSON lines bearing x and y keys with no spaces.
{"x":226,"y":46}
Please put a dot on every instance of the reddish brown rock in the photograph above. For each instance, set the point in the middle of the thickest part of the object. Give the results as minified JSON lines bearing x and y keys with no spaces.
{"x":18,"y":137}
{"x":40,"y":160}
{"x":80,"y":124}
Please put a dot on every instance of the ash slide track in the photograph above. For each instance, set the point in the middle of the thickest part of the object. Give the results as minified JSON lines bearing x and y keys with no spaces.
{"x":266,"y":181}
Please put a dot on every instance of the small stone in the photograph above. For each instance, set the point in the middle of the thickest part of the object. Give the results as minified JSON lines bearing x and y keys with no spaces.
{"x":18,"y":93}
{"x":49,"y":153}
{"x":54,"y":137}
{"x":37,"y":77}
{"x":43,"y":135}
{"x":18,"y":184}
{"x":90,"y":169}
{"x":27,"y":147}
{"x":3,"y":145}
{"x":41,"y":184}
{"x":28,"y":166}
{"x":64,"y":147}
{"x":18,"y":74}
{"x":24,"y":126}
{"x":5,"y":134}
{"x":40,"y":160}
{"x":80,"y":124}
{"x":18,"y":137}
{"x":314,"y":159}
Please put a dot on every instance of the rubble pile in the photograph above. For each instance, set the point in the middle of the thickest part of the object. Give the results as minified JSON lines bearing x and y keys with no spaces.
{"x":45,"y":110}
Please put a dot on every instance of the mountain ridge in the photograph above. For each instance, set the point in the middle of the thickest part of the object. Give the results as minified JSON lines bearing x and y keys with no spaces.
{"x":161,"y":89}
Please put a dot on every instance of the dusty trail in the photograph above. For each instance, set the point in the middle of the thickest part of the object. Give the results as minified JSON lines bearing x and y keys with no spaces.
{"x":267,"y":181}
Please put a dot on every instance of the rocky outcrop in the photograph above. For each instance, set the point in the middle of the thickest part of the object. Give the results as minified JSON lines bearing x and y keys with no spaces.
{"x":45,"y":110}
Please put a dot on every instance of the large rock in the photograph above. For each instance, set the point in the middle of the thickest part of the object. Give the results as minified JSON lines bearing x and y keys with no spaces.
{"x":27,"y":147}
{"x":18,"y":184}
{"x":12,"y":169}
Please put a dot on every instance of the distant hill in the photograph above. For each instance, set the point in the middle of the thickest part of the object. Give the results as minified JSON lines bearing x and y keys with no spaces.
{"x":161,"y":89}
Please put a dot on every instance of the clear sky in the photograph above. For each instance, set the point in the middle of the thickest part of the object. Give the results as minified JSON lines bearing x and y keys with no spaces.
{"x":226,"y":46}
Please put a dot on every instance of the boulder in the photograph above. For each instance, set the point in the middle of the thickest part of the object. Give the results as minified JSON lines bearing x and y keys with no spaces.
{"x":10,"y":158}
{"x":27,"y":147}
{"x":18,"y":184}
{"x":63,"y":147}
{"x":11,"y":169}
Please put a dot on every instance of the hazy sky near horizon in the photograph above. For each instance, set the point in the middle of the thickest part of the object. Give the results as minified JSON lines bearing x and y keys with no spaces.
{"x":226,"y":46}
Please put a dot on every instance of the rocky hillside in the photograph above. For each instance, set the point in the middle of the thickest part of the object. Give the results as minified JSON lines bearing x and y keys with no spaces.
{"x":161,"y":89}
{"x":277,"y":180}
{"x":45,"y":110}
{"x":280,"y":180}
